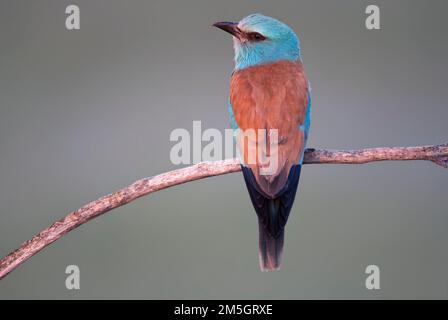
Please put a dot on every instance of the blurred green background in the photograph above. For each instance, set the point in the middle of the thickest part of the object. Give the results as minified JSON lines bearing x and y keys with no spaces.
{"x":83,"y":113}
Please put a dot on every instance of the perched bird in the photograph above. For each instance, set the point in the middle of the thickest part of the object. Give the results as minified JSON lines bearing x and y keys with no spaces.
{"x":269,"y":90}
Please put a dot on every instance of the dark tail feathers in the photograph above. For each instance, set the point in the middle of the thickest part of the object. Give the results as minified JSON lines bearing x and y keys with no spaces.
{"x":270,"y":249}
{"x":272,"y":216}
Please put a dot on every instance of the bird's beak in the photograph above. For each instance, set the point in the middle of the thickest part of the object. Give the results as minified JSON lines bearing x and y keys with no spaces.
{"x":230,"y":27}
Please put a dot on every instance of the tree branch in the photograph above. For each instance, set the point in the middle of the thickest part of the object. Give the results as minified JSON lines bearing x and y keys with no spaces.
{"x":436,"y":153}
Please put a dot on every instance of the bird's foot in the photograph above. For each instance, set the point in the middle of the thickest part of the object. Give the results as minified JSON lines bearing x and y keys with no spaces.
{"x":441,"y":161}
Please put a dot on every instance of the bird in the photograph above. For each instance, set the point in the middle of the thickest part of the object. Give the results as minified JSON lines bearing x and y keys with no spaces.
{"x":269,"y":91}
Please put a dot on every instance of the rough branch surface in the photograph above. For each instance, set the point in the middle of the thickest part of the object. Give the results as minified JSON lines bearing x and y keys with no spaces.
{"x":436,"y":153}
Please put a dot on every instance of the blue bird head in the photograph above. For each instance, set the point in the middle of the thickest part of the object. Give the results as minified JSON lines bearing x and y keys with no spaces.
{"x":259,"y":39}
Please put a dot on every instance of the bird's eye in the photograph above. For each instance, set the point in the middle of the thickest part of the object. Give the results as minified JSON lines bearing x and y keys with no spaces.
{"x":255,"y":36}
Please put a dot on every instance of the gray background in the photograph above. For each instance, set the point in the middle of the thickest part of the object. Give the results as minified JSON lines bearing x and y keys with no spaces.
{"x":86,"y":112}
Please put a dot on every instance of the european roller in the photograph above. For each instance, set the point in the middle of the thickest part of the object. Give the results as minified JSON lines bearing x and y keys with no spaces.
{"x":269,"y":90}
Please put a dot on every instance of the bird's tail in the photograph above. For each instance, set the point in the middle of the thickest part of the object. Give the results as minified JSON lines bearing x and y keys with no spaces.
{"x":270,"y":248}
{"x":272,"y":216}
